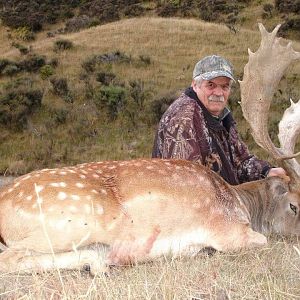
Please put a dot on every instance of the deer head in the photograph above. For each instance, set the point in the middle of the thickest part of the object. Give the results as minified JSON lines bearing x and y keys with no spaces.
{"x":262,"y":74}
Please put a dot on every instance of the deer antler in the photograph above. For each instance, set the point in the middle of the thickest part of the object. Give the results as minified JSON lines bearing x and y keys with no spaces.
{"x":262,"y":74}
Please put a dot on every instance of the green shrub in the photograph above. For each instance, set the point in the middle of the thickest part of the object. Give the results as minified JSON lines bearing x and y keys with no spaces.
{"x":46,"y":71}
{"x":61,"y":45}
{"x":24,"y":33}
{"x":112,"y":98}
{"x":17,"y":105}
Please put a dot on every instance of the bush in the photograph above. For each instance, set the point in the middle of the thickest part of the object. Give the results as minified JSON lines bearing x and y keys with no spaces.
{"x":61,"y":45}
{"x":137,"y":92}
{"x":145,"y":59}
{"x":105,"y":78}
{"x":32,"y":63}
{"x":60,"y":86}
{"x":288,"y":6}
{"x":24,"y":33}
{"x":33,"y":14}
{"x":89,"y":64}
{"x":111,"y":98}
{"x":77,"y":23}
{"x":268,"y":9}
{"x":290,"y":24}
{"x":160,"y":105}
{"x":16,"y":106}
{"x":46,"y":71}
{"x":3,"y":63}
{"x":59,"y":115}
{"x":10,"y":70}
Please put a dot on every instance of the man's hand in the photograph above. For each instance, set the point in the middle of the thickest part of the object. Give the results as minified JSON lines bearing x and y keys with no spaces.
{"x":277,"y":172}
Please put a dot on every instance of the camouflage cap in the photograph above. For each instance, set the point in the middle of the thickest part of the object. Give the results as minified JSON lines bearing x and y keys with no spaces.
{"x":213,"y":66}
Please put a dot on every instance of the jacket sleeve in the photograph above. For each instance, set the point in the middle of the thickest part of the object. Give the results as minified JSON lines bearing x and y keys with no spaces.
{"x":249,"y":167}
{"x":177,"y":138}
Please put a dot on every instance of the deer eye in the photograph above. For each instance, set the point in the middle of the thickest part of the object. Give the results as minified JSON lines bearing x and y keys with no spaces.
{"x":293,"y":208}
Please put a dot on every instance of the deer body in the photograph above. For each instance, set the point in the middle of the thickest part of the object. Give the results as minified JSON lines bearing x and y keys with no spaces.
{"x":138,"y":210}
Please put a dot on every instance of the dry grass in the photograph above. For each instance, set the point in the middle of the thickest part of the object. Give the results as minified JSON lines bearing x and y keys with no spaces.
{"x":272,"y":272}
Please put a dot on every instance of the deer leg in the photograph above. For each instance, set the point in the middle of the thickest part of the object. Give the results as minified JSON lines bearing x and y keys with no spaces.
{"x":237,"y":237}
{"x":24,"y":261}
{"x":131,"y":251}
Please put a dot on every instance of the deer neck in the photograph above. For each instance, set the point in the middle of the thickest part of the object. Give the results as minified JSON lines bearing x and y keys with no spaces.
{"x":254,"y":196}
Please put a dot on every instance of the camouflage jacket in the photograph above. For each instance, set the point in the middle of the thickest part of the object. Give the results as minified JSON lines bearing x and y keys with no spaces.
{"x":188,"y":131}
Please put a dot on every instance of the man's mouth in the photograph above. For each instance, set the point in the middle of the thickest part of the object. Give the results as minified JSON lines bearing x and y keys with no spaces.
{"x":214,"y":98}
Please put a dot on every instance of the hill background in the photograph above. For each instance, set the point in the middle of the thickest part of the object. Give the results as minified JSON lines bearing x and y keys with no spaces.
{"x":88,"y":80}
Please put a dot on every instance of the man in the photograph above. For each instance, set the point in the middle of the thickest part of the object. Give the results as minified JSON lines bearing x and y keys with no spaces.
{"x":198,"y":126}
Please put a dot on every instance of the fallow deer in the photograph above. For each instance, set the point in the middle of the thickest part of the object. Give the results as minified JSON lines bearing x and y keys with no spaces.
{"x":122,"y":212}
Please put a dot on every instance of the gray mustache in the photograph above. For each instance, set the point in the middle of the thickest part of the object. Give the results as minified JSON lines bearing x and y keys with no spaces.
{"x":216,"y":98}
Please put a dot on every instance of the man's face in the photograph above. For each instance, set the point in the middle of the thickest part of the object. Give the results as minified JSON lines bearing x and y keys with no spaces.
{"x":213,"y":94}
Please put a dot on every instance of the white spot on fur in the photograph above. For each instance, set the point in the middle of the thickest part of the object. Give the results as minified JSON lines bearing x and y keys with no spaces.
{"x":29,"y":197}
{"x":61,"y":196}
{"x":79,"y":185}
{"x":17,"y":184}
{"x":96,"y":176}
{"x":149,"y":167}
{"x":94,"y":192}
{"x":103,"y":191}
{"x":10,"y":190}
{"x":75,"y":197}
{"x":82,"y":176}
{"x":63,"y":173}
{"x":111,"y":167}
{"x":54,"y":184}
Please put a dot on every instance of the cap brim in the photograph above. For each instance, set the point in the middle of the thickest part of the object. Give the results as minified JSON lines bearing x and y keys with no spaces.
{"x":214,"y":74}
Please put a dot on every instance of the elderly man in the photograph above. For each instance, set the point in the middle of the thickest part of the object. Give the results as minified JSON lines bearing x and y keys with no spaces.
{"x":198,"y":126}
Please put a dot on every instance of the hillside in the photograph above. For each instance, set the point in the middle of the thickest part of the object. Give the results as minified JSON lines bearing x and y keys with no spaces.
{"x":98,"y":93}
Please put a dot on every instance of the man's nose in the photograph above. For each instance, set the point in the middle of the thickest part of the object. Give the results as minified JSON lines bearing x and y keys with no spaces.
{"x":218,"y":90}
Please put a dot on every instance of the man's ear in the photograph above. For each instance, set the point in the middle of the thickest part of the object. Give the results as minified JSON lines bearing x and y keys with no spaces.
{"x":194,"y":84}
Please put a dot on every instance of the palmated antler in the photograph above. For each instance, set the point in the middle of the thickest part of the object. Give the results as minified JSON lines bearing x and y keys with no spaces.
{"x":262,"y":74}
